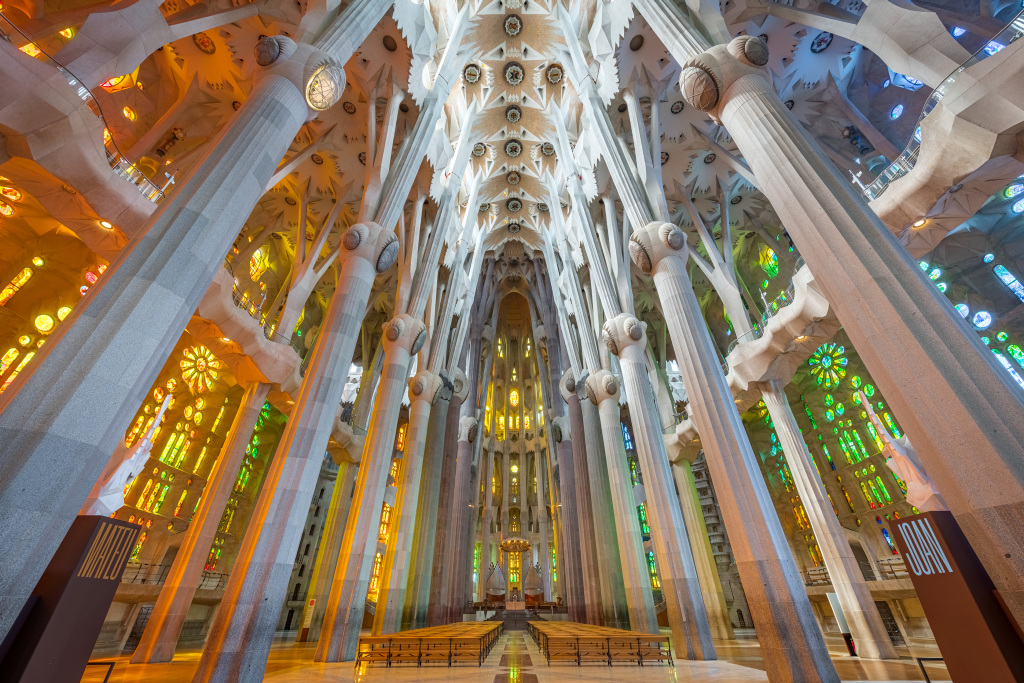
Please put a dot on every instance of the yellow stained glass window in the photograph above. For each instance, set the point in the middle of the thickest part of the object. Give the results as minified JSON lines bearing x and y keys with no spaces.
{"x":63,"y":312}
{"x":129,"y":113}
{"x":7,"y":359}
{"x":513,"y":398}
{"x":258,"y":264}
{"x":199,"y":368}
{"x":44,"y":323}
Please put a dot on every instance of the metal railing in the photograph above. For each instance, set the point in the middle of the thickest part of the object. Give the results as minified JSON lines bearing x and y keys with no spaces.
{"x":156,"y":575}
{"x":118,"y":162}
{"x":908,"y":159}
{"x":882,"y":570}
{"x":774,"y":306}
{"x":255,"y":311}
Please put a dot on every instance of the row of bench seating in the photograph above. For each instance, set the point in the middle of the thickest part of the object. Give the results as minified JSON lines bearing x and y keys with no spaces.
{"x":461,"y":642}
{"x":567,"y":641}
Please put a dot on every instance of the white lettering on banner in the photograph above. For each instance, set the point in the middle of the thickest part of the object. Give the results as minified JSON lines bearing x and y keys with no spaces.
{"x":924,"y":553}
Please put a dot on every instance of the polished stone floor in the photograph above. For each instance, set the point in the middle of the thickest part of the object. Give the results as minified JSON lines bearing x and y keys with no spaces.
{"x":516,"y":659}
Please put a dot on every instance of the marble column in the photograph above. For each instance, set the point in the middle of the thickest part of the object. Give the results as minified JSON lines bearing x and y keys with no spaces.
{"x":572,"y":567}
{"x":243,"y":629}
{"x":423,"y":389}
{"x":950,"y":394}
{"x":866,"y":625}
{"x":625,"y":337}
{"x":60,"y":422}
{"x":329,"y":549}
{"x":584,"y":514}
{"x":603,"y":390}
{"x":700,"y":546}
{"x":403,"y":337}
{"x":168,"y":616}
{"x":787,"y":630}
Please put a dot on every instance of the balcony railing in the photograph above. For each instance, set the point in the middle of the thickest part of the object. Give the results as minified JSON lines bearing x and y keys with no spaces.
{"x":118,"y":162}
{"x":882,"y":570}
{"x":908,"y":159}
{"x":155,"y":575}
{"x":255,"y":310}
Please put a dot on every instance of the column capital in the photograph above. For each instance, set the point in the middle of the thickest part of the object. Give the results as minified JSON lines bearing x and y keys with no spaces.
{"x":706,"y":78}
{"x":468,"y":428}
{"x":371,"y":242}
{"x":425,"y":386}
{"x":655,"y":241}
{"x":318,"y":76}
{"x":601,"y":386}
{"x":405,"y":332}
{"x":624,"y":330}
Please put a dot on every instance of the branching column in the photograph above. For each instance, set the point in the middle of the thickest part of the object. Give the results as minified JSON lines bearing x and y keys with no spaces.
{"x":242,"y":632}
{"x":866,"y":625}
{"x":703,"y":558}
{"x":949,"y":392}
{"x":403,"y":337}
{"x":69,"y":413}
{"x":168,"y":616}
{"x":625,"y":337}
{"x":585,"y":516}
{"x":789,"y":635}
{"x":603,"y":390}
{"x":391,"y":595}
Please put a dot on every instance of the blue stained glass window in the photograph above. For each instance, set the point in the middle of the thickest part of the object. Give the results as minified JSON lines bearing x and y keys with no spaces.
{"x":963,"y":309}
{"x":1019,"y":207}
{"x":957,"y":31}
{"x":993,"y":47}
{"x":1009,"y":280}
{"x":982,"y":319}
{"x":989,"y":258}
{"x":896,"y":112}
{"x":626,"y":437}
{"x":1009,"y":368}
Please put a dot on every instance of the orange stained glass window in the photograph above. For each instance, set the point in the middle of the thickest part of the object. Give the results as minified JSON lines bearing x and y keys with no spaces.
{"x":7,"y":359}
{"x":31,"y":50}
{"x":400,"y":442}
{"x":24,"y":361}
{"x":14,"y":285}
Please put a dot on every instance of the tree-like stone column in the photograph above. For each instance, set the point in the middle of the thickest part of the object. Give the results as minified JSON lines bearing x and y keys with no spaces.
{"x":168,"y":616}
{"x":700,"y":546}
{"x":865,"y":622}
{"x":591,"y":572}
{"x":462,"y":504}
{"x":329,"y":550}
{"x":403,"y":337}
{"x":603,"y":391}
{"x":60,"y":422}
{"x":423,"y":389}
{"x":243,"y":630}
{"x":572,"y":570}
{"x":625,"y":336}
{"x":787,"y":630}
{"x":947,"y":389}
{"x":421,"y":556}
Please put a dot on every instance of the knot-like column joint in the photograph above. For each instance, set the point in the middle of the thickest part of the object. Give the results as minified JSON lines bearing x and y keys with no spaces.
{"x":567,"y":385}
{"x":622,"y":331}
{"x":601,"y":386}
{"x":560,"y":429}
{"x":706,"y":78}
{"x":405,"y":332}
{"x":317,"y":75}
{"x":654,"y":242}
{"x":424,"y":386}
{"x":371,"y":242}
{"x":461,"y":384}
{"x":469,"y":427}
